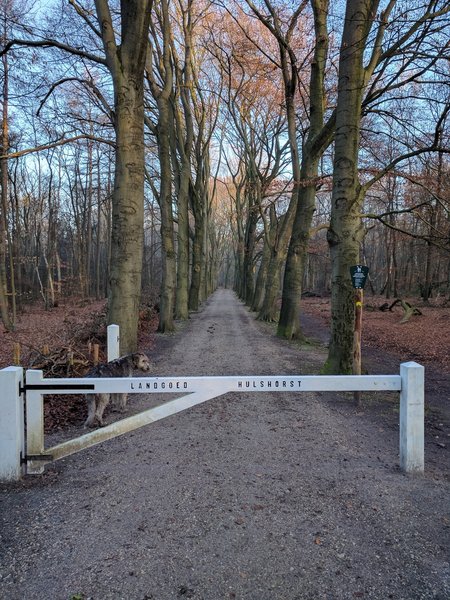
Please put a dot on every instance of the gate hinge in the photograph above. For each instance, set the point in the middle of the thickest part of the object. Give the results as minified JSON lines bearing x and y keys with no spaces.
{"x":36,"y":457}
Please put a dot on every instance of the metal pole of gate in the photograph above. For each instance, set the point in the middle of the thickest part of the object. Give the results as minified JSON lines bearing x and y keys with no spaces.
{"x":11,"y":424}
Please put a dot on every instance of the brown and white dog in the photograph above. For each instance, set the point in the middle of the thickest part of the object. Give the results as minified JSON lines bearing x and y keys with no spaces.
{"x":121,"y":367}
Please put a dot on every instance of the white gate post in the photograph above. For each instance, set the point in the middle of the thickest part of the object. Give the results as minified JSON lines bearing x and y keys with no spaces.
{"x":11,"y":424}
{"x":113,"y":342}
{"x":412,"y":415}
{"x":35,"y":422}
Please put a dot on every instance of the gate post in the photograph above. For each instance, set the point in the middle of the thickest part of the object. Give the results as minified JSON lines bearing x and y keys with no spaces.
{"x":35,"y":422}
{"x":11,"y":424}
{"x":412,"y":416}
{"x":113,"y":342}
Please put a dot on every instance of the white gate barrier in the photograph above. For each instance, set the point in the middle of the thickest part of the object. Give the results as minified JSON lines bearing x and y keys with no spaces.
{"x":25,"y":452}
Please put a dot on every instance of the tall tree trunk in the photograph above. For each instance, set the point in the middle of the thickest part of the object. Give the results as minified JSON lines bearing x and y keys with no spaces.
{"x":88,"y":217}
{"x":249,"y":251}
{"x":197,"y":253}
{"x":4,"y":308}
{"x":319,"y":137}
{"x":185,"y":138}
{"x":289,"y":323}
{"x":182,"y":295}
{"x":268,"y":311}
{"x":200,"y":208}
{"x":261,"y":280}
{"x":99,"y":234}
{"x":168,"y":284}
{"x":345,"y":232}
{"x":126,"y":63}
{"x":127,"y":215}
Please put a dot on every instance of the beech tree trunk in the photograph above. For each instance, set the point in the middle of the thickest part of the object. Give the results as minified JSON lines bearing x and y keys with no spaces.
{"x":249,"y":251}
{"x":197,"y":251}
{"x":262,"y":278}
{"x":168,"y":283}
{"x":184,"y":134}
{"x":319,"y":137}
{"x":127,"y":215}
{"x":126,"y":64}
{"x":4,"y":308}
{"x":345,"y":232}
{"x":289,"y":323}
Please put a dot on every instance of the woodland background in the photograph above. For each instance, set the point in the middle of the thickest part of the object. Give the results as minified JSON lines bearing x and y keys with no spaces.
{"x":154,"y":150}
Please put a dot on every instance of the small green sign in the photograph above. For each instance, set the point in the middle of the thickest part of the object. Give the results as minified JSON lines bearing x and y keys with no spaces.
{"x":359,"y":276}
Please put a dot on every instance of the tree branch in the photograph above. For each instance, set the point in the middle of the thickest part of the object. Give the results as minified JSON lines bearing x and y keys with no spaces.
{"x":53,"y":44}
{"x":84,"y":15}
{"x":83,"y":82}
{"x":61,"y":142}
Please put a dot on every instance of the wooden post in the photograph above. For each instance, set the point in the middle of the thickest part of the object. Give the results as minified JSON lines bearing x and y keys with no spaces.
{"x":359,"y":294}
{"x":12,"y":447}
{"x":412,"y":417}
{"x":16,"y":353}
{"x":113,"y":342}
{"x":96,"y":348}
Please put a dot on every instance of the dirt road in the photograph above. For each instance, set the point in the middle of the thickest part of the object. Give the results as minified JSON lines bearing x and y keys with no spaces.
{"x":255,"y":497}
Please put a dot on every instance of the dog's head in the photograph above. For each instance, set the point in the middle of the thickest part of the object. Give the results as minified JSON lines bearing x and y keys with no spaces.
{"x":141,"y":361}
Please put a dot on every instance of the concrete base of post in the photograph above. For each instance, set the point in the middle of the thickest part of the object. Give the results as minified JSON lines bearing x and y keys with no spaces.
{"x":12,"y":445}
{"x":412,"y":415}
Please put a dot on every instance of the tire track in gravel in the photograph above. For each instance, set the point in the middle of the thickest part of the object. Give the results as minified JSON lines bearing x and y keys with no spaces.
{"x":249,"y":496}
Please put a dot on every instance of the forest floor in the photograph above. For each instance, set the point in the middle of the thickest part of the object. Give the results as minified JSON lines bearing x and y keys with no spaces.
{"x":249,"y":496}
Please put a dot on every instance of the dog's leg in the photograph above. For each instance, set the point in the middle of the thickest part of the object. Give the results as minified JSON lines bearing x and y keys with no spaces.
{"x":91,"y":402}
{"x":120,"y":402}
{"x":102,"y":403}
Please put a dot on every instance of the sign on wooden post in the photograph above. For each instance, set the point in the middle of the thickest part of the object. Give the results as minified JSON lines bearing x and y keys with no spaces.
{"x":359,"y":275}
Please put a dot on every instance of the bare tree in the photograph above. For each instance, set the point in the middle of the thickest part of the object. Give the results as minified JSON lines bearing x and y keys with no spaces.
{"x":124,"y":57}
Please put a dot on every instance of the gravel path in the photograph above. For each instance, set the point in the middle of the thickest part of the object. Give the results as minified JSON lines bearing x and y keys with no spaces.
{"x":256,"y":497}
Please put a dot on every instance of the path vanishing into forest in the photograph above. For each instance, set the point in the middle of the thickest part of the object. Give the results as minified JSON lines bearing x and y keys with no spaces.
{"x":256,"y":497}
